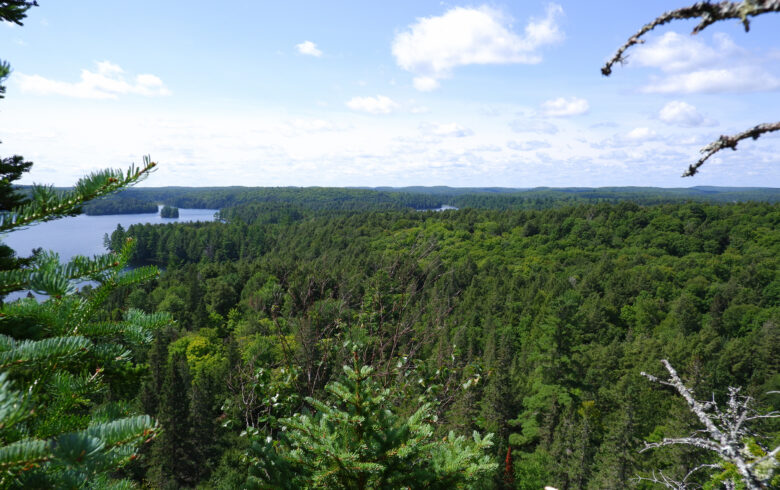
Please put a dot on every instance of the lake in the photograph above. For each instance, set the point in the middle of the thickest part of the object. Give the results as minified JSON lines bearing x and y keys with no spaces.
{"x":83,"y":235}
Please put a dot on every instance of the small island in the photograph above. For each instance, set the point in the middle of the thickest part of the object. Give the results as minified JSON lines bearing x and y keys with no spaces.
{"x":169,"y":212}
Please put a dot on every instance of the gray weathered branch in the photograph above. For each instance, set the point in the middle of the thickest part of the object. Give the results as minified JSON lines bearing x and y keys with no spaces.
{"x":730,"y":142}
{"x":709,"y":13}
{"x":662,"y":479}
{"x":725,"y":433}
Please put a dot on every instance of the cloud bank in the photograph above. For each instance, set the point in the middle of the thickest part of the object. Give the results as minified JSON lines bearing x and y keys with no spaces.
{"x":373,"y":105}
{"x":107,"y":82}
{"x":692,"y":66}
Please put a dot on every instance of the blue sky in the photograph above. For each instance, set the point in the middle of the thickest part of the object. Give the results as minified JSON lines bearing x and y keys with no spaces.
{"x":386,"y":93}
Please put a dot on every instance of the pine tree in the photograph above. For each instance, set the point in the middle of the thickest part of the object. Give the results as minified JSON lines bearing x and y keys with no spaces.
{"x":357,"y":440}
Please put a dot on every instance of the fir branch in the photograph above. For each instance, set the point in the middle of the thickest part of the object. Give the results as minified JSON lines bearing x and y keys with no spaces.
{"x":48,"y":205}
{"x":15,"y":353}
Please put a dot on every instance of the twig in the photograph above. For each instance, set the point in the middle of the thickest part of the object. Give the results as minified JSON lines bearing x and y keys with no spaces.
{"x":709,"y":14}
{"x":730,"y":142}
{"x":724,"y":433}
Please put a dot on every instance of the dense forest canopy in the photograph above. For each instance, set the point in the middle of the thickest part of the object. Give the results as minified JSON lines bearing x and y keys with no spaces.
{"x":533,"y":325}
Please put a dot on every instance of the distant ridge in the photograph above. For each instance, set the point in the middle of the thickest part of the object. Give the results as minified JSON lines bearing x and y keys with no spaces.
{"x":357,"y":199}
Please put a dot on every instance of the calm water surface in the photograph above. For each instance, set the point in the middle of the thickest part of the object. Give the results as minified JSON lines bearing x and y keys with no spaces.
{"x":83,"y":235}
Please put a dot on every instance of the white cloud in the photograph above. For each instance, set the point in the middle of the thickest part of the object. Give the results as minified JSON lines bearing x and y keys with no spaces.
{"x":309,"y":48}
{"x":533,"y":126}
{"x":433,"y":46}
{"x":641,"y":134}
{"x":561,"y":107}
{"x":733,"y":79}
{"x":108,"y":82}
{"x":425,"y":84}
{"x":301,"y":126}
{"x":528,"y":145}
{"x":450,"y":130}
{"x":693,"y":66}
{"x":675,"y":52}
{"x":375,"y":105}
{"x":681,"y":113}
{"x":420,"y":110}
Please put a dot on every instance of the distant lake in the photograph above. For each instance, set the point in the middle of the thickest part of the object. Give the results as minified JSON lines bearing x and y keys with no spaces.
{"x":444,"y":207}
{"x":83,"y":235}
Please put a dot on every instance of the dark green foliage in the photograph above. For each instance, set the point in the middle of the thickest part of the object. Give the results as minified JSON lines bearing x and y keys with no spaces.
{"x":285,"y":204}
{"x":548,"y":324}
{"x":357,"y":440}
{"x":169,"y":212}
{"x":172,"y":453}
{"x":116,"y":205}
{"x":11,"y":169}
{"x":67,"y":363}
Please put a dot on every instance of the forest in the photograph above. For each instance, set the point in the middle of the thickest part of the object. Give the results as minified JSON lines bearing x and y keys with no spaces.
{"x":117,"y":205}
{"x":415,"y":197}
{"x":531,"y":325}
{"x":395,"y":337}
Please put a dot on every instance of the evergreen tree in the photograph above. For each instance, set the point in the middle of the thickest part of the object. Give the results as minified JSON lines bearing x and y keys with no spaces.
{"x":358,"y":440}
{"x":203,"y":424}
{"x":172,"y":452}
{"x":11,"y":169}
{"x":66,"y":357}
{"x":169,"y":212}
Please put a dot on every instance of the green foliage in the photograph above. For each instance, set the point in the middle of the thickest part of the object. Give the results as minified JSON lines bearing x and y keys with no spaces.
{"x":48,"y":204}
{"x":119,"y":205}
{"x":169,"y":212}
{"x":547,"y":316}
{"x":66,"y":429}
{"x":358,"y":440}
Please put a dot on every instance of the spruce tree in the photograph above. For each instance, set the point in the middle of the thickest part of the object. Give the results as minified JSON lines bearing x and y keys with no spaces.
{"x":358,"y":440}
{"x":11,"y":169}
{"x":172,"y":452}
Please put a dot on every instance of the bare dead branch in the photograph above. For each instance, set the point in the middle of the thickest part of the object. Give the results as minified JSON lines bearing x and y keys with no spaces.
{"x":687,"y":441}
{"x":730,"y":142}
{"x":663,"y":479}
{"x":709,"y":13}
{"x":725,"y":434}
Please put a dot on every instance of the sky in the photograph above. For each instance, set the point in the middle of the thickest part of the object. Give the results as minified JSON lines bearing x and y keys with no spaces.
{"x":366,"y":93}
